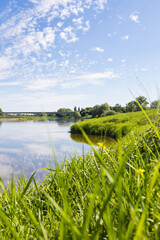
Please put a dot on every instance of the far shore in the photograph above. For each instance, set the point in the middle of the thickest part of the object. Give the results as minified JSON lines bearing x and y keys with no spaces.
{"x":11,"y":119}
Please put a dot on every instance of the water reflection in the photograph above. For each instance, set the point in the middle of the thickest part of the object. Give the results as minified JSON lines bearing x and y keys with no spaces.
{"x":30,"y":145}
{"x":108,"y":142}
{"x":64,"y":123}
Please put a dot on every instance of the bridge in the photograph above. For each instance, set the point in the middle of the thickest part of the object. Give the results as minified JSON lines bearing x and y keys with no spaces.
{"x":36,"y":113}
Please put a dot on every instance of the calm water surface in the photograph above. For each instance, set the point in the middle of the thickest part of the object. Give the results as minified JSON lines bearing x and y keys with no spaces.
{"x":26,"y":146}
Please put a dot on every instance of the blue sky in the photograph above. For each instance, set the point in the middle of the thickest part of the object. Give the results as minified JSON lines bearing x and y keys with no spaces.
{"x":66,"y":53}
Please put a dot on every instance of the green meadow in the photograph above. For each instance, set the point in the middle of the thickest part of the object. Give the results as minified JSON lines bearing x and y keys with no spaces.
{"x":109,"y":193}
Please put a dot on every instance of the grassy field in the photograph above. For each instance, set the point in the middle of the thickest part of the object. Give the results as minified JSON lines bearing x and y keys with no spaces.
{"x":114,"y":125}
{"x":106,"y":194}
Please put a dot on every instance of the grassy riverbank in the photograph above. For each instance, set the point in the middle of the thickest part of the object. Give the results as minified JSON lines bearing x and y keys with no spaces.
{"x":112,"y":126}
{"x":106,"y":194}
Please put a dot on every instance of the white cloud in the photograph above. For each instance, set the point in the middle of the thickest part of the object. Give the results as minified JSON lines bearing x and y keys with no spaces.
{"x":68,"y":35}
{"x":42,"y":84}
{"x":101,"y":3}
{"x":120,"y":18}
{"x":60,"y":24}
{"x":78,"y":21}
{"x":6,"y":84}
{"x":49,"y":55}
{"x":126,"y":37}
{"x":64,"y":64}
{"x":110,"y":60}
{"x":80,"y":25}
{"x":6,"y":63}
{"x":98,"y":49}
{"x":90,"y":78}
{"x":123,"y":60}
{"x":86,"y":28}
{"x":134,"y":17}
{"x":29,"y":42}
{"x":144,"y":69}
{"x":61,"y":53}
{"x":34,"y":41}
{"x":100,"y":75}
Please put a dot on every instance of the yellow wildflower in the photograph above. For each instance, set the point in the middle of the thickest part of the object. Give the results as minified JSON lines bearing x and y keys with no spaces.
{"x":101,"y":145}
{"x":140,"y":171}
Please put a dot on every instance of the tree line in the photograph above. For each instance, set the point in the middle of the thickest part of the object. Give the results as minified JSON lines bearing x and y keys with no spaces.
{"x":105,"y":110}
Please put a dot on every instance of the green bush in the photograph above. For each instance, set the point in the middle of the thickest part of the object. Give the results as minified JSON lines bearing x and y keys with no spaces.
{"x":108,"y":113}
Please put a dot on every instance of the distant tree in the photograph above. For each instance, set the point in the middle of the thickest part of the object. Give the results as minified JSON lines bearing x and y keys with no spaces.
{"x":64,"y":110}
{"x":117,"y":108}
{"x":131,"y":106}
{"x":95,"y":111}
{"x":123,"y":109}
{"x":75,"y":109}
{"x":79,"y":109}
{"x":77,"y":115}
{"x":86,"y":111}
{"x":1,"y":112}
{"x":154,"y":104}
{"x":103,"y":108}
{"x":98,"y":110}
{"x":142,"y":101}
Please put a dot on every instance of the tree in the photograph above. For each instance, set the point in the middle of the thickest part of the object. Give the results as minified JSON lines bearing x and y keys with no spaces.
{"x":103,"y":108}
{"x":86,"y":111}
{"x":117,"y":108}
{"x":123,"y":109}
{"x":1,"y":112}
{"x":75,"y":109}
{"x":77,"y":115}
{"x":131,"y":106}
{"x":98,"y":110}
{"x":64,"y":110}
{"x":142,"y":101}
{"x":154,"y":104}
{"x":95,"y":111}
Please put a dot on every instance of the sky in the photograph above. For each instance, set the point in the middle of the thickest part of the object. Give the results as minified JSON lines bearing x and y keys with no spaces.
{"x":66,"y":53}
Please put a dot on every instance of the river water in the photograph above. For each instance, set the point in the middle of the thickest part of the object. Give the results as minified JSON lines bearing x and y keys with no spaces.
{"x":31,"y":145}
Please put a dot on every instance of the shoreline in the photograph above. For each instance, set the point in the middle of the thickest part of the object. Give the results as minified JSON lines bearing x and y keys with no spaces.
{"x":11,"y":119}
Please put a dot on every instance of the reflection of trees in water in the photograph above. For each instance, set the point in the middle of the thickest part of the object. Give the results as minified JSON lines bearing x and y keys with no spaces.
{"x":64,"y":122}
{"x":108,"y":142}
{"x":0,"y":123}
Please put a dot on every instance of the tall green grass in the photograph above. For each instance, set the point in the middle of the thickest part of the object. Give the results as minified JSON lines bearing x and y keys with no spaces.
{"x":105,"y":194}
{"x":111,"y":126}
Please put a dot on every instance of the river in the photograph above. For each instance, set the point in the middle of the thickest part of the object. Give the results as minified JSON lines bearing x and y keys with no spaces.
{"x":31,"y":145}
